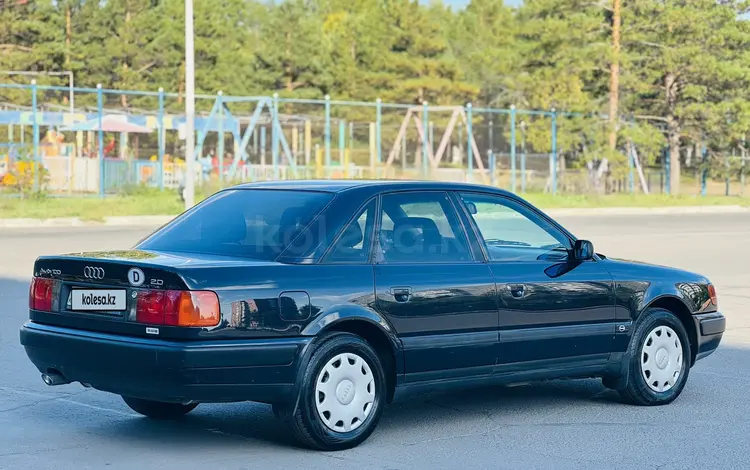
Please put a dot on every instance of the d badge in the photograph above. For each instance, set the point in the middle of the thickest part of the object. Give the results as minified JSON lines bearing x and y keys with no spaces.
{"x":136,"y":277}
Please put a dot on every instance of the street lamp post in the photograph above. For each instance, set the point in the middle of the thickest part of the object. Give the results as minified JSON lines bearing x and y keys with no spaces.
{"x":189,"y":107}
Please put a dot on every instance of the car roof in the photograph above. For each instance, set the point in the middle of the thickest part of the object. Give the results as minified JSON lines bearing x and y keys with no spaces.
{"x":373,"y":186}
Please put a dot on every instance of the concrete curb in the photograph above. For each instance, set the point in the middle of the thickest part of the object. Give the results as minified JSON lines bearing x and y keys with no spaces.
{"x":618,"y":211}
{"x":156,"y":220}
{"x":123,"y":221}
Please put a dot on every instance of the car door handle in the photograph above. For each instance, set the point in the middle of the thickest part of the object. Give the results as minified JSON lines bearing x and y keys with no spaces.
{"x":516,"y":290}
{"x":401,"y":294}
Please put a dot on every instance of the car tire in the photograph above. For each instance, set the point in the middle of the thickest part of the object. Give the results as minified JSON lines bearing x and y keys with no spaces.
{"x":328,"y":415}
{"x":659,"y":359}
{"x":159,"y":410}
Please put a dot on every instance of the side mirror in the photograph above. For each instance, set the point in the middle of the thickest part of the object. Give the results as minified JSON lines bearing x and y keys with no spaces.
{"x":583,"y":250}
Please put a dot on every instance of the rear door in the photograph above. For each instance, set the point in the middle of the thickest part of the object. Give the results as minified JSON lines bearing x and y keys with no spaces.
{"x":437,"y":294}
{"x":553,"y":311}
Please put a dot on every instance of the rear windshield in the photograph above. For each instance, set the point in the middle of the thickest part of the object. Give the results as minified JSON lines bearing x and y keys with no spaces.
{"x":249,"y":223}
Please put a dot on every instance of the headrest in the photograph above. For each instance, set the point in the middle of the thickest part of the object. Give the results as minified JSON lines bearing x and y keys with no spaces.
{"x":351,"y":236}
{"x":426,"y":225}
{"x":405,"y":231}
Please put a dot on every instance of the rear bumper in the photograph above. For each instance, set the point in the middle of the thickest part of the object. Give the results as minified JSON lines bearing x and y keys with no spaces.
{"x":206,"y":371}
{"x":710,"y":328}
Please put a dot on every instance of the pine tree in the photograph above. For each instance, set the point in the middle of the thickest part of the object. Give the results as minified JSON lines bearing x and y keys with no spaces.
{"x":688,"y":64}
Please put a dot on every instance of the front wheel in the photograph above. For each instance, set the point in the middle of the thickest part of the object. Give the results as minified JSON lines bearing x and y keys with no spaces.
{"x":159,"y":410}
{"x":342,"y":394}
{"x":659,"y":359}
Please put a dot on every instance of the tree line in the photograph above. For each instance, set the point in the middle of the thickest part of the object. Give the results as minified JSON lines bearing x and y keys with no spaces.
{"x":683,"y":66}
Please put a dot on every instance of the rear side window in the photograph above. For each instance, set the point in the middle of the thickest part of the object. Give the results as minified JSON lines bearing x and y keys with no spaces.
{"x":248,"y":223}
{"x":353,"y":245}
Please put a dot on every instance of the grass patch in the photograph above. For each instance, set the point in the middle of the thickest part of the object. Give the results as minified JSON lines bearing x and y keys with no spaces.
{"x":153,"y":202}
{"x":89,"y":208}
{"x":548,"y":201}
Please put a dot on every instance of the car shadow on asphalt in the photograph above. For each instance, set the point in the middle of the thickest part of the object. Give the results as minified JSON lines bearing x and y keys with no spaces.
{"x":228,"y":424}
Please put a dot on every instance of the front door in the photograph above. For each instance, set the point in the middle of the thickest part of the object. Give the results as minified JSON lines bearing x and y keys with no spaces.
{"x":553,"y":311}
{"x":438,"y":295}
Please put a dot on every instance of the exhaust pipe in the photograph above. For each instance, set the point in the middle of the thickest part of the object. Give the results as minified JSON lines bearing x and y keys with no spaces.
{"x":54,"y":378}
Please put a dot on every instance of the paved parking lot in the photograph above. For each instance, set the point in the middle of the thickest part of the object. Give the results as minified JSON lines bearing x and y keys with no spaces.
{"x":573,"y":424}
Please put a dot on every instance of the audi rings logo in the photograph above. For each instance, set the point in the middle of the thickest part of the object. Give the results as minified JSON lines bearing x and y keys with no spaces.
{"x":93,"y":272}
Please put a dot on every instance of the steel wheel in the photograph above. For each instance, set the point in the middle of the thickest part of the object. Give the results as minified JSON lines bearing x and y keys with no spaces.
{"x":345,"y":392}
{"x":661,"y":358}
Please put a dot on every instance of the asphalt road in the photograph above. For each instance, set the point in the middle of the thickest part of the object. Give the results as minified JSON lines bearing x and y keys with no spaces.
{"x":560,"y":424}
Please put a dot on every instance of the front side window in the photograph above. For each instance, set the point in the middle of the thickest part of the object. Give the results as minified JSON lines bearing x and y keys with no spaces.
{"x":249,"y":223}
{"x":421,"y":227}
{"x":509,"y":233}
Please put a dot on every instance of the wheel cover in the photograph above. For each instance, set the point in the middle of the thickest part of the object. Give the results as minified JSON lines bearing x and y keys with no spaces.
{"x":661,"y":359}
{"x":345,"y":392}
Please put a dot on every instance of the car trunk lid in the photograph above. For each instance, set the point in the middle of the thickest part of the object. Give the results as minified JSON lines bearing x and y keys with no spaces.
{"x":101,"y":291}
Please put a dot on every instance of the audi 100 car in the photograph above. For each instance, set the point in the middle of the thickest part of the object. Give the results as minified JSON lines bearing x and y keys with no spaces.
{"x":330,"y":299}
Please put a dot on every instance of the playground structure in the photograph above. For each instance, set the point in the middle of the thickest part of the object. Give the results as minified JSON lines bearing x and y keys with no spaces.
{"x":234,"y":143}
{"x":258,"y":138}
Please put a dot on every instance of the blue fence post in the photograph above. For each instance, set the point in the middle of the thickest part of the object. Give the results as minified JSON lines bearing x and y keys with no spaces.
{"x":342,"y":142}
{"x":491,"y":135}
{"x":425,"y":138}
{"x":513,"y":148}
{"x":35,"y":127}
{"x":704,"y":172}
{"x":220,"y":137}
{"x":469,"y":147}
{"x":667,"y":172}
{"x":493,"y":167}
{"x":553,"y":155}
{"x":100,"y":139}
{"x":160,"y":137}
{"x":275,"y":136}
{"x":378,"y":131}
{"x":631,"y":168}
{"x":523,"y":156}
{"x":328,"y":136}
{"x":631,"y":162}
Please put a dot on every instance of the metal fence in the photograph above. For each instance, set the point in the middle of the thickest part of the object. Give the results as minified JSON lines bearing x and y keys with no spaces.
{"x":115,"y":139}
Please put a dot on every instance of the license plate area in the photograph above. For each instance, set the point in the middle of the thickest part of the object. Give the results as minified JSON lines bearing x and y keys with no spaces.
{"x":107,"y":301}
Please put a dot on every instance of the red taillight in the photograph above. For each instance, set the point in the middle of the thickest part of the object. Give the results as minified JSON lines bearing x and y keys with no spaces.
{"x":712,"y":294}
{"x":150,"y":306}
{"x":41,"y":294}
{"x":178,"y":308}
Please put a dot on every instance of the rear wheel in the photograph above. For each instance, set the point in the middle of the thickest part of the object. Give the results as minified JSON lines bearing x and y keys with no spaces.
{"x":342,"y":394}
{"x":159,"y":410}
{"x":659,"y":359}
